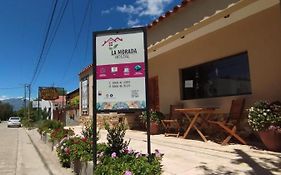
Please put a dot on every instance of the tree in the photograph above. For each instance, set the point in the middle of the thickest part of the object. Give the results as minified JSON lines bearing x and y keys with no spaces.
{"x":34,"y":114}
{"x":6,"y":111}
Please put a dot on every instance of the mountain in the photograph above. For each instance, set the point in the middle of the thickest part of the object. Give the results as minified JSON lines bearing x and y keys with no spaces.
{"x":17,"y":103}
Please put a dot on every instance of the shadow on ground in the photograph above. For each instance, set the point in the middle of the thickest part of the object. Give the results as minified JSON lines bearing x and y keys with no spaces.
{"x":257,"y":166}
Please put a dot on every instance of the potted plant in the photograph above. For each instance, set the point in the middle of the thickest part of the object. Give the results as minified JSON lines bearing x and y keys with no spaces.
{"x":155,"y":119}
{"x":265,"y":119}
{"x":116,"y":157}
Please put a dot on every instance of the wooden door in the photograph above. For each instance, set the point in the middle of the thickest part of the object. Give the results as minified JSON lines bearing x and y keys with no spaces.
{"x":153,"y":93}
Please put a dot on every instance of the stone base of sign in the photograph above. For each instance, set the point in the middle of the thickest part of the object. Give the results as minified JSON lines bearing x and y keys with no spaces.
{"x":131,"y":120}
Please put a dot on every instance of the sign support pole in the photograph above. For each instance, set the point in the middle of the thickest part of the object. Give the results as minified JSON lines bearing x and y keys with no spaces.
{"x":147,"y":97}
{"x":148,"y":134}
{"x":94,"y":107}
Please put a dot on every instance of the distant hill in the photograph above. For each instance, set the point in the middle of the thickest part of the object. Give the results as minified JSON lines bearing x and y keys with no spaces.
{"x":17,"y":103}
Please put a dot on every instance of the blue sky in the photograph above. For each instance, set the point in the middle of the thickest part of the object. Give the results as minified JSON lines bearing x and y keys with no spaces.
{"x":24,"y":25}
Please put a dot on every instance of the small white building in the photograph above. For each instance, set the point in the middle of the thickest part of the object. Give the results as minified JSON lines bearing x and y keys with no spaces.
{"x":44,"y":105}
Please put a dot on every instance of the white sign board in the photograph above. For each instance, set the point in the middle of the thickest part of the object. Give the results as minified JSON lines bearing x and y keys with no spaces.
{"x":84,"y":93}
{"x":120,"y":70}
{"x":188,"y":83}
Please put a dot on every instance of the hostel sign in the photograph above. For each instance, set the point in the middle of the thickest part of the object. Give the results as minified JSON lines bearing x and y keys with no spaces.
{"x":120,"y":70}
{"x":48,"y":93}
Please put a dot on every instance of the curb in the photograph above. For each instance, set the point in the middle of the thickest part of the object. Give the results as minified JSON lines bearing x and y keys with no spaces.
{"x":40,"y":155}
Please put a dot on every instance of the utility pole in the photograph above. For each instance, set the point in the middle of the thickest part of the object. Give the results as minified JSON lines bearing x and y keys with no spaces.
{"x":29,"y":92}
{"x":38,"y":97}
{"x":24,"y":100}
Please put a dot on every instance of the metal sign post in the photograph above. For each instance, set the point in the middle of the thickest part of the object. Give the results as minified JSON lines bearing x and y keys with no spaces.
{"x":120,"y":74}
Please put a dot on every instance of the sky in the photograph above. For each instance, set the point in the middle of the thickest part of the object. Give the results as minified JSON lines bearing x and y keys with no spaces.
{"x":28,"y":56}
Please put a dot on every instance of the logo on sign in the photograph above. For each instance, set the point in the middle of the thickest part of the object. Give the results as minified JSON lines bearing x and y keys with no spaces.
{"x":112,"y":43}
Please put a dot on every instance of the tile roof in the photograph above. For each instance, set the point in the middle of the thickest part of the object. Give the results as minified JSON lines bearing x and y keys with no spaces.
{"x":86,"y":68}
{"x":169,"y":13}
{"x":74,"y":91}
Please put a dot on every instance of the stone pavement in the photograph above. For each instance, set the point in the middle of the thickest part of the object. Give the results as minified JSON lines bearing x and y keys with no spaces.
{"x":184,"y":156}
{"x":48,"y":156}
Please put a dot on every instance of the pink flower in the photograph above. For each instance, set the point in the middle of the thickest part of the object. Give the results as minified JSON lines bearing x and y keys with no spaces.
{"x":113,"y":155}
{"x":139,"y":154}
{"x":128,"y":150}
{"x":84,"y":139}
{"x":67,"y":150}
{"x":128,"y":173}
{"x":157,"y":153}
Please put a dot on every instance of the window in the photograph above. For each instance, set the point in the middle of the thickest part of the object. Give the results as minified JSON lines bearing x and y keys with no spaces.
{"x":224,"y":77}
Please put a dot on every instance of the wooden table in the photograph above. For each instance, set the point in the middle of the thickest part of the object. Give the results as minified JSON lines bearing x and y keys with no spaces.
{"x":204,"y":113}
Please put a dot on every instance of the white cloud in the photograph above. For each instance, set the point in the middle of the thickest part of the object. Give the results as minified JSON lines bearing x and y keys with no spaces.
{"x":152,"y":7}
{"x":3,"y":97}
{"x":133,"y":23}
{"x":109,"y":28}
{"x":103,"y":12}
{"x":130,"y":9}
{"x":141,"y":8}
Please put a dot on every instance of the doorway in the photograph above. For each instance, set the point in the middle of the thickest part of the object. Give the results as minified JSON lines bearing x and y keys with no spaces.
{"x":153,"y":93}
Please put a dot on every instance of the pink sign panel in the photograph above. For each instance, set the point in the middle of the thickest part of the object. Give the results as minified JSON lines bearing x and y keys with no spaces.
{"x":112,"y":71}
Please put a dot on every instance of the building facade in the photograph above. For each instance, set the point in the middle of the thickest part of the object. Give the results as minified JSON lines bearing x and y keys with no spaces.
{"x":86,"y":92}
{"x":231,"y":51}
{"x":72,"y":115}
{"x":205,"y":54}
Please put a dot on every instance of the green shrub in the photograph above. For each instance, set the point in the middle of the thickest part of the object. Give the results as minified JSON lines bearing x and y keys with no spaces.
{"x":155,"y":116}
{"x":49,"y":125}
{"x":80,"y":148}
{"x":88,"y":132}
{"x":59,"y":133}
{"x":115,"y":138}
{"x":63,"y":151}
{"x":129,"y":163}
{"x":115,"y":158}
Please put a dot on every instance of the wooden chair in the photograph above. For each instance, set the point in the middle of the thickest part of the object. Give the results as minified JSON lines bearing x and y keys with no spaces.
{"x":171,"y":124}
{"x":230,"y":125}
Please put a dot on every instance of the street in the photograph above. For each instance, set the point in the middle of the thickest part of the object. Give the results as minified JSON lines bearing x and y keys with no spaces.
{"x":17,"y":154}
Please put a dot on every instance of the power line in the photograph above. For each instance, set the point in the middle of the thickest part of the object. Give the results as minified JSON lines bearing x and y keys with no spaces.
{"x":76,"y":42}
{"x":44,"y":44}
{"x":56,"y":26}
{"x":73,"y":19}
{"x":9,"y":88}
{"x":88,"y":36}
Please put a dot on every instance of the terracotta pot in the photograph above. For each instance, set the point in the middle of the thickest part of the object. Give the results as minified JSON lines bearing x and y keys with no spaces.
{"x":154,"y":128}
{"x":271,"y":139}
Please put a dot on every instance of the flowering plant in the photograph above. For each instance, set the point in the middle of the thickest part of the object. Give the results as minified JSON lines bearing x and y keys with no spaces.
{"x":116,"y":158}
{"x":155,"y":116}
{"x":115,"y":138}
{"x":265,"y":116}
{"x":130,"y":162}
{"x":47,"y":126}
{"x":63,"y":151}
{"x":59,"y":133}
{"x":81,"y":148}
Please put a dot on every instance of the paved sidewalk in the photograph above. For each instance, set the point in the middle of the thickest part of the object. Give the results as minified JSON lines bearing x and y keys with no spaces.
{"x":48,"y":156}
{"x":28,"y":161}
{"x":184,"y":156}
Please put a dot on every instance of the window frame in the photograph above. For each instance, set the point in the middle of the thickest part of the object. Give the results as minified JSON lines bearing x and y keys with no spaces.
{"x":182,"y":81}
